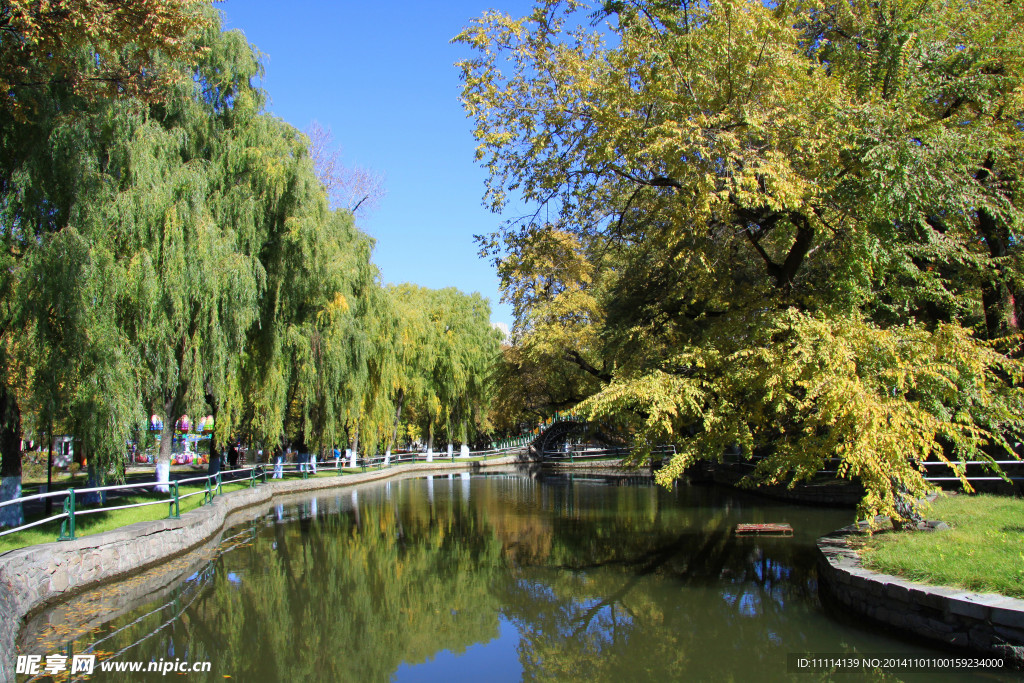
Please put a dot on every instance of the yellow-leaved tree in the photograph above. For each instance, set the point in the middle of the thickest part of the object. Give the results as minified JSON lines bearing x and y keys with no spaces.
{"x":789,"y":227}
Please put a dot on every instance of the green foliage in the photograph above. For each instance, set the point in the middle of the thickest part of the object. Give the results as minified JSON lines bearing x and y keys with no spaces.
{"x":805,"y":388}
{"x":172,"y":250}
{"x":446,"y":349}
{"x":792,"y":228}
{"x":94,"y":47}
{"x":174,"y":290}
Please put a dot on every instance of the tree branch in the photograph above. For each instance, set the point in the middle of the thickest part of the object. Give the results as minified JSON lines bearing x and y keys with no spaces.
{"x":578,"y":360}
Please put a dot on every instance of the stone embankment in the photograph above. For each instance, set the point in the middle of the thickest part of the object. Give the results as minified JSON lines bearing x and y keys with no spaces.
{"x":36,"y":576}
{"x":979,"y":622}
{"x":593,"y":465}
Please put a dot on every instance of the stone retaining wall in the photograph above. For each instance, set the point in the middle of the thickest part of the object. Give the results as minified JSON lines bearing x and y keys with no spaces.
{"x":36,"y":576}
{"x":593,"y":464}
{"x":981,"y":622}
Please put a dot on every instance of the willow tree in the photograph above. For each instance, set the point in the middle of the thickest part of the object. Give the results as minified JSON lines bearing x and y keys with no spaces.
{"x":181,"y":255}
{"x":65,"y":289}
{"x":467,"y":354}
{"x":415,"y":355}
{"x":157,"y":275}
{"x":194,"y":280}
{"x":371,"y":401}
{"x":59,"y":65}
{"x":445,"y":353}
{"x":323,"y":344}
{"x":778,"y":223}
{"x":319,"y":350}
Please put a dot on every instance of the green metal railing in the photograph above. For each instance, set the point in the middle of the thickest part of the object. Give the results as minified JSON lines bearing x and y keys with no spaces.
{"x":212,"y":486}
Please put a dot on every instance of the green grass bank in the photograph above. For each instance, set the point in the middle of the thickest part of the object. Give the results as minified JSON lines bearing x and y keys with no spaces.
{"x":983,"y":551}
{"x":97,"y":522}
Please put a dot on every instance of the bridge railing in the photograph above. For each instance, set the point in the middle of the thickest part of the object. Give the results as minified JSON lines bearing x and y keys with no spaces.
{"x":955,"y":463}
{"x":577,"y":454}
{"x":952,"y":465}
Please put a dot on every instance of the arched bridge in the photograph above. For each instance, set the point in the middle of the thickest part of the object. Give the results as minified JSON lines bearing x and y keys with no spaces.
{"x":569,"y":438}
{"x":552,"y":438}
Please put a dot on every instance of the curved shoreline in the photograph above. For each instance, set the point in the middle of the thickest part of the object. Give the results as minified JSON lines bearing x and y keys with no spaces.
{"x":34,"y":577}
{"x":981,"y":622}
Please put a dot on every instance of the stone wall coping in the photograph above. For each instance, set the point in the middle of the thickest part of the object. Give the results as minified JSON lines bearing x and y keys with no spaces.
{"x":36,"y":576}
{"x":984,"y":622}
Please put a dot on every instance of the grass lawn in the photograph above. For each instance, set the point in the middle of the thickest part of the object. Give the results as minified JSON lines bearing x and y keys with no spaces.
{"x":983,"y":552}
{"x":97,"y":522}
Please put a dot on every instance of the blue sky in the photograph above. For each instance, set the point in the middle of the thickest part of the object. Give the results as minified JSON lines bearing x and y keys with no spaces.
{"x":381,"y":76}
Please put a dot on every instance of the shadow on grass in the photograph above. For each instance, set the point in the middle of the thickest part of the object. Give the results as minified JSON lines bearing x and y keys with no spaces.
{"x":88,"y":522}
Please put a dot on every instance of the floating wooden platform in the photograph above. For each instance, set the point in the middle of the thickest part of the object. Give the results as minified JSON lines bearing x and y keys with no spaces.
{"x":764,"y":529}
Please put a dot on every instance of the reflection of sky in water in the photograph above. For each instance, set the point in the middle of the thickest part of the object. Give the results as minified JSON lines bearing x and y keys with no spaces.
{"x":750,"y":606}
{"x":537,"y":590}
{"x":496,"y":660}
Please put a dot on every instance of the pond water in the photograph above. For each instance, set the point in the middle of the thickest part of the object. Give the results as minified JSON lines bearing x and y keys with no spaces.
{"x":500,"y":577}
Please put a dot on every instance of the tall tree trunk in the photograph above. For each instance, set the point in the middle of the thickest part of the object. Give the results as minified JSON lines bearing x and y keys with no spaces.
{"x":400,"y":400}
{"x":94,"y":477}
{"x":996,"y":298}
{"x":10,"y":457}
{"x":49,"y":471}
{"x":1018,"y":306}
{"x":1000,"y":313}
{"x":172,"y":413}
{"x":1001,"y":303}
{"x":213,"y":467}
{"x":430,"y":442}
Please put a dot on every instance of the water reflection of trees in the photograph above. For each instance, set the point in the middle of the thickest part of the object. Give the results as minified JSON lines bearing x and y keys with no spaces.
{"x":336,"y":599}
{"x":647,"y":593}
{"x":602,"y":582}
